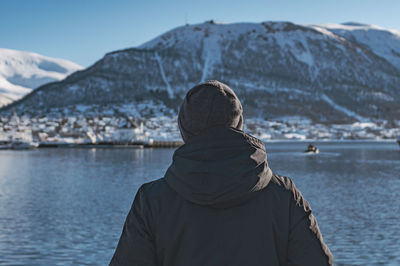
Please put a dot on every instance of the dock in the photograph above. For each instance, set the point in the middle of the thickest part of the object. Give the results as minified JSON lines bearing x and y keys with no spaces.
{"x":163,"y":144}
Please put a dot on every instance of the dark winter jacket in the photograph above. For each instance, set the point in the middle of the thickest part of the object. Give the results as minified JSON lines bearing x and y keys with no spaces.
{"x":219,"y":204}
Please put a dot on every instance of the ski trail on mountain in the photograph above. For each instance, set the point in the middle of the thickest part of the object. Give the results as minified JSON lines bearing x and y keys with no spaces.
{"x":342,"y":109}
{"x":211,"y":55}
{"x":205,"y":68}
{"x":164,"y":77}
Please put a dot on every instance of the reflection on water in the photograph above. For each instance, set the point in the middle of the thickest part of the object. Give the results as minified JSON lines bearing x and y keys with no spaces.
{"x":67,"y":206}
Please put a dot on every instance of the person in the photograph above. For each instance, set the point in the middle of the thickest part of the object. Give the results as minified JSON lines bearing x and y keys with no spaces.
{"x":311,"y":148}
{"x":219,"y":203}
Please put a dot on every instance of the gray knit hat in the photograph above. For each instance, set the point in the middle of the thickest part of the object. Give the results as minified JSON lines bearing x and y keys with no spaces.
{"x":209,"y":104}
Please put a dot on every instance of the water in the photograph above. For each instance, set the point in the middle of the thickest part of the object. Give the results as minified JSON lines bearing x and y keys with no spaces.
{"x":67,"y":206}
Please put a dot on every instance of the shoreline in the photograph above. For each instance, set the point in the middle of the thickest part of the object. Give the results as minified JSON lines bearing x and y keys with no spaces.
{"x":100,"y":145}
{"x":333,"y":140}
{"x":176,"y":144}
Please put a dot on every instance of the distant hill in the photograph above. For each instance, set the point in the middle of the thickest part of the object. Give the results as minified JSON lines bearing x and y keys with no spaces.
{"x":327,"y":73}
{"x":21,"y":72}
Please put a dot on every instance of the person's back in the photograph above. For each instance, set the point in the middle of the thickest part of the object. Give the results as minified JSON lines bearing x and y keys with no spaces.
{"x":219,"y":203}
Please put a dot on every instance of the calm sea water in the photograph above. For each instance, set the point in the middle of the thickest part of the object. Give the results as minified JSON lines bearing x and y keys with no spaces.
{"x":68,"y":206}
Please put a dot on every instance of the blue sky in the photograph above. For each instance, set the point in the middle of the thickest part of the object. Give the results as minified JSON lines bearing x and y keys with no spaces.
{"x":84,"y":30}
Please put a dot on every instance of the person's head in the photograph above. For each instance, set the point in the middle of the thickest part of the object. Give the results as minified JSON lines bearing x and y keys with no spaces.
{"x":209,"y":104}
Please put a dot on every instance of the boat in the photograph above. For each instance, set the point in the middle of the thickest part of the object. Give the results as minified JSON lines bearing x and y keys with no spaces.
{"x":398,"y":142}
{"x":312,"y":149}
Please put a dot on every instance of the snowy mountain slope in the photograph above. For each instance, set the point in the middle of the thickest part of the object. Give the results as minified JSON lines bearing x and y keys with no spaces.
{"x":4,"y":100}
{"x":278,"y":69}
{"x":383,"y":42}
{"x":20,"y":71}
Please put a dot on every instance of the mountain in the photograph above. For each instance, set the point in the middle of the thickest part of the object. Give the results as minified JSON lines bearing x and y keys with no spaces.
{"x":21,"y":72}
{"x":326,"y":73}
{"x":4,"y":100}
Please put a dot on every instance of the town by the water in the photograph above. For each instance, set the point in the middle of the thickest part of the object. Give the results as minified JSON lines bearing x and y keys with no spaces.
{"x":118,"y":127}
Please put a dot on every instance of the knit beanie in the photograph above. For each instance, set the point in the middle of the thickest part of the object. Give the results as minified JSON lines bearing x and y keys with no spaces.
{"x":209,"y":104}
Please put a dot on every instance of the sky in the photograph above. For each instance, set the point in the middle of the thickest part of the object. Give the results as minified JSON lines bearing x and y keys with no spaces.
{"x":84,"y":30}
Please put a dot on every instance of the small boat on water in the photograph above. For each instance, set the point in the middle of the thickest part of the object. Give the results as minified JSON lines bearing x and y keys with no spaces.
{"x":311,"y":149}
{"x":398,"y":142}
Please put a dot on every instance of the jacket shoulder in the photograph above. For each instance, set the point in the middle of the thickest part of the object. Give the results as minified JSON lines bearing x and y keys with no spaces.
{"x":283,"y":182}
{"x":286,"y":185}
{"x":156,"y":189}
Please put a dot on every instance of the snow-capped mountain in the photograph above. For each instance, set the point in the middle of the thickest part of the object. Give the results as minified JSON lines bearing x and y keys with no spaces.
{"x":326,"y":73}
{"x":20,"y":72}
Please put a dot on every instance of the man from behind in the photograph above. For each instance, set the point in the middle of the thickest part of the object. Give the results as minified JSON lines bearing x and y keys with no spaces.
{"x":219,"y":203}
